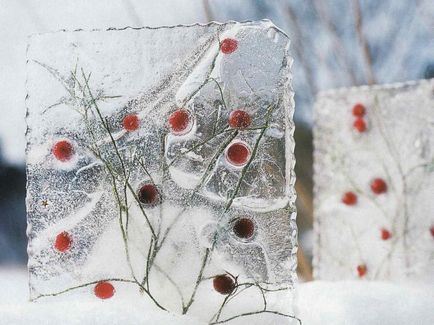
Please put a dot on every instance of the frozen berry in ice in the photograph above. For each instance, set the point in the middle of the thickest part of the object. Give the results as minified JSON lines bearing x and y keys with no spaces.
{"x":238,"y":154}
{"x":378,"y":186}
{"x":239,"y":119}
{"x":63,"y":150}
{"x":349,"y":198}
{"x":148,"y":194}
{"x":63,"y":242}
{"x":179,"y":122}
{"x":360,"y":124}
{"x":104,"y":290}
{"x":361,"y":270}
{"x":385,"y":234}
{"x":224,"y":284}
{"x":131,"y":122}
{"x":359,"y":110}
{"x":244,"y":228}
{"x":432,"y":231}
{"x":228,"y":45}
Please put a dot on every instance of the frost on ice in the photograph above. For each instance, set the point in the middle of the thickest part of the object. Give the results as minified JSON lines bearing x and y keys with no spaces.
{"x":374,"y":175}
{"x":160,"y":161}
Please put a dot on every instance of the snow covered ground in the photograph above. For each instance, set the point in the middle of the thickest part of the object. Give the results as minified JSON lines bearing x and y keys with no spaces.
{"x":365,"y":303}
{"x":319,"y":303}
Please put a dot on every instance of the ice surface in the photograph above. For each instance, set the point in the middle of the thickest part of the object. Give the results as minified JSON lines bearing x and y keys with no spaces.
{"x":136,"y":181}
{"x":385,"y":158}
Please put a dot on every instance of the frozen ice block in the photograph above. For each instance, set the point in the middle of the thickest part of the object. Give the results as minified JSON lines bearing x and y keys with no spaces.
{"x":160,"y":167}
{"x":374,"y":183}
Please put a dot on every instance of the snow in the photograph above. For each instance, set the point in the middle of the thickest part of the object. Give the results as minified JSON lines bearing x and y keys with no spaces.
{"x":15,"y":309}
{"x":364,"y":302}
{"x":319,"y":303}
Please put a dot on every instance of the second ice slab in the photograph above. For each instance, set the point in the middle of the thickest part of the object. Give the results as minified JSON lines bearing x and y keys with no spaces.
{"x":374,"y":181}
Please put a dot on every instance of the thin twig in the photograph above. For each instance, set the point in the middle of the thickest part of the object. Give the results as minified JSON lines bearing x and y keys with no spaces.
{"x":246,"y":167}
{"x":81,"y":286}
{"x":256,"y":313}
{"x":366,"y":52}
{"x":198,"y":281}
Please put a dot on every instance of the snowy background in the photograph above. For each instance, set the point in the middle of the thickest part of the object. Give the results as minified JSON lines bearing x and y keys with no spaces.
{"x":335,"y":43}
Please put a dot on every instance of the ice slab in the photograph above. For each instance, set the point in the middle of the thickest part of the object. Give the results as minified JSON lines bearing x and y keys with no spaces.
{"x":374,"y":183}
{"x":160,"y":161}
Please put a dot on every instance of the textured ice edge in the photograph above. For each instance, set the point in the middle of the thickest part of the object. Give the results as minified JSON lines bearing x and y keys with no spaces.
{"x":318,"y":143}
{"x":366,"y":88}
{"x":211,"y":23}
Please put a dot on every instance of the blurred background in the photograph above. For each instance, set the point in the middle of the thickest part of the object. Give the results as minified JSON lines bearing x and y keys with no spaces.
{"x":335,"y":43}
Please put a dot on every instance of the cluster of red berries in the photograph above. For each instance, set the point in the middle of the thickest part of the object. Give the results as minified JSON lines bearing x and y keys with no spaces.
{"x":102,"y":289}
{"x":148,"y":195}
{"x":359,"y":112}
{"x":378,"y":186}
{"x":237,"y":153}
{"x":63,"y":150}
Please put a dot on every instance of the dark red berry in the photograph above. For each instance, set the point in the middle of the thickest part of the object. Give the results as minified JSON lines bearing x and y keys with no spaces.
{"x":63,"y":150}
{"x":104,"y":290}
{"x":238,"y":153}
{"x":361,"y":270}
{"x":432,"y":231}
{"x":228,"y":45}
{"x":148,"y":194}
{"x":131,"y":122}
{"x":179,"y":122}
{"x":63,"y":242}
{"x":239,"y":119}
{"x":244,"y":228}
{"x":224,"y":284}
{"x":378,"y":186}
{"x":349,"y":198}
{"x":360,"y":124}
{"x":359,"y":110}
{"x":385,"y":234}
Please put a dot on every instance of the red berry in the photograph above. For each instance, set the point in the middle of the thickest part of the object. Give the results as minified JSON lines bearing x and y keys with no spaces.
{"x":63,"y":242}
{"x":238,"y":154}
{"x":361,"y":270}
{"x":228,"y":45}
{"x":360,"y":124}
{"x":378,"y":186}
{"x":432,"y":231}
{"x":224,"y":284}
{"x":104,"y":290}
{"x":349,"y":198}
{"x":244,"y":228}
{"x":131,"y":122}
{"x":239,"y":119}
{"x":179,"y":122}
{"x":148,"y":194}
{"x":63,"y":150}
{"x":359,"y":110}
{"x":385,"y":234}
